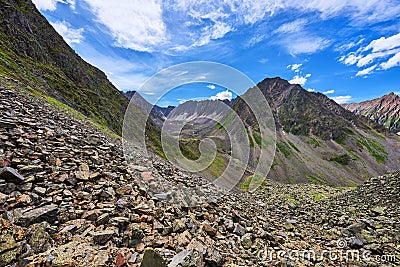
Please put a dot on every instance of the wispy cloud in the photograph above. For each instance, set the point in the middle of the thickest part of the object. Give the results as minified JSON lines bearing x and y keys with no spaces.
{"x":341,"y":99}
{"x":383,"y":53}
{"x":51,"y":5}
{"x":291,"y":27}
{"x":329,"y":92}
{"x":211,"y":86}
{"x":69,"y":34}
{"x":366,"y":71}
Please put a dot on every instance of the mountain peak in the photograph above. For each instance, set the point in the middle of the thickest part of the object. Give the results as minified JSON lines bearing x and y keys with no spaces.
{"x":385,"y":110}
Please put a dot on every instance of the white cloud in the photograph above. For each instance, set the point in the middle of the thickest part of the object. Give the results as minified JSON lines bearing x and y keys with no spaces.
{"x":351,"y":59}
{"x":375,"y":54}
{"x":329,"y":92}
{"x":366,"y":71}
{"x":298,"y":80}
{"x":45,"y":4}
{"x":134,"y":24}
{"x":69,"y":34}
{"x":392,"y":62}
{"x":211,"y":86}
{"x":341,"y":99}
{"x":295,"y":67}
{"x":222,"y":96}
{"x":311,"y":90}
{"x":51,"y":5}
{"x":303,"y":43}
{"x":291,"y":27}
{"x":383,"y":44}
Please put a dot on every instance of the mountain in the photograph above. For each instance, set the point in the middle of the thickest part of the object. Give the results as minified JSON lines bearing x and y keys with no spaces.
{"x":34,"y":54}
{"x":317,"y":140}
{"x":384,"y":110}
{"x":68,"y":198}
{"x":162,"y":112}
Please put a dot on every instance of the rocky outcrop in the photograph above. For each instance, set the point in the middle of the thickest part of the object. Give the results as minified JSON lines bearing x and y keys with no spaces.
{"x":79,"y":204}
{"x":384,"y":110}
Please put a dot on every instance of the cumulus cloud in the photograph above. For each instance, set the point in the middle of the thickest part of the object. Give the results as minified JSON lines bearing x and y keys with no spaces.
{"x":134,"y":24}
{"x":211,"y":86}
{"x":375,"y":55}
{"x":222,"y":96}
{"x":299,"y":80}
{"x":341,"y":99}
{"x":311,"y":90}
{"x":69,"y":34}
{"x":295,"y":67}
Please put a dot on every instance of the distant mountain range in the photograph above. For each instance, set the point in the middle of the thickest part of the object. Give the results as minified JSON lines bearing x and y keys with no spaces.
{"x":318,"y":140}
{"x":384,"y":110}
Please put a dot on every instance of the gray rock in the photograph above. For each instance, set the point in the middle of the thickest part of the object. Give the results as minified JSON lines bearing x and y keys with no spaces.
{"x":152,"y":259}
{"x":102,"y":237}
{"x":47,"y":213}
{"x":187,"y":258}
{"x":239,"y":230}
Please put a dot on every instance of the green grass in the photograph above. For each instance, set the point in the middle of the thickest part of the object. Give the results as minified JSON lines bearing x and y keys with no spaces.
{"x":375,"y":148}
{"x":284,"y":149}
{"x":343,"y":159}
{"x":70,"y":111}
{"x":295,"y":148}
{"x":318,"y":196}
{"x":314,"y":142}
{"x":315,"y":179}
{"x":251,"y":143}
{"x":254,"y":181}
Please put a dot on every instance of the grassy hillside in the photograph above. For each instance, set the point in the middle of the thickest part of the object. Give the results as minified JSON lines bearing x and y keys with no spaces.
{"x":32,"y":52}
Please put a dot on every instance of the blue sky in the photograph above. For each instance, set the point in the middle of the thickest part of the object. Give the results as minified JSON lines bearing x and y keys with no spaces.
{"x":347,"y":49}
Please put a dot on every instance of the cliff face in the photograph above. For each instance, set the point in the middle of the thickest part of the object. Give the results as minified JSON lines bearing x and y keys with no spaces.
{"x":32,"y":52}
{"x":384,"y":110}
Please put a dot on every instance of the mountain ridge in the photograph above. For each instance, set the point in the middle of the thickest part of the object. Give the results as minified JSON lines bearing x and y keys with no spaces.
{"x":32,"y":52}
{"x":384,"y":110}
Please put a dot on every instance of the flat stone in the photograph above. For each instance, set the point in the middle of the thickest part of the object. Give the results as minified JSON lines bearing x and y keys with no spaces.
{"x":10,"y":175}
{"x":47,"y":213}
{"x":239,"y":230}
{"x":139,"y":168}
{"x":83,"y":173}
{"x":39,"y":190}
{"x":152,"y":259}
{"x":102,"y":237}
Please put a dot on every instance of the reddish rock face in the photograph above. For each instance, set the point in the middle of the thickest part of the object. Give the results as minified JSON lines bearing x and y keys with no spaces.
{"x":384,"y":110}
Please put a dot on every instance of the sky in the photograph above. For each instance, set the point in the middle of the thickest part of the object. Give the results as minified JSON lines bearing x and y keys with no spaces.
{"x":346,"y":49}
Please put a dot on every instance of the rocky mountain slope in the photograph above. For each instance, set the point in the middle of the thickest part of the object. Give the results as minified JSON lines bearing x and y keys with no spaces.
{"x":317,"y":140}
{"x":384,"y":110}
{"x":32,"y":52}
{"x":68,"y":198}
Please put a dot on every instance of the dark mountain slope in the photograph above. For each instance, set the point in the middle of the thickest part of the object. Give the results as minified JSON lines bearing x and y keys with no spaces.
{"x":317,"y":139}
{"x":32,"y":52}
{"x":384,"y":110}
